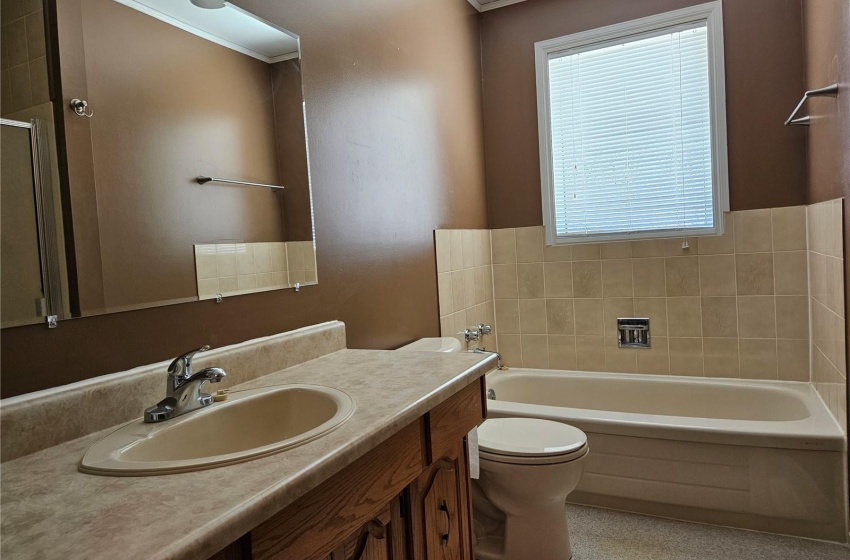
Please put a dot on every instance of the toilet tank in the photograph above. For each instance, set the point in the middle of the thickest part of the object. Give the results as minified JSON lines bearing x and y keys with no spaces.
{"x":436,"y":344}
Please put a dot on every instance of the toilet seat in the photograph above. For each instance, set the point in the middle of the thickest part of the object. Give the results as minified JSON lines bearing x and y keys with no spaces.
{"x":530,"y":441}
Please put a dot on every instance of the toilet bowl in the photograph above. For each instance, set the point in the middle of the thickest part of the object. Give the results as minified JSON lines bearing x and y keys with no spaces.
{"x":528,"y":467}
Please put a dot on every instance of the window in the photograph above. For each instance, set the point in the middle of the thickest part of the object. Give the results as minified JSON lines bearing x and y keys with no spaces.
{"x":633,"y":129}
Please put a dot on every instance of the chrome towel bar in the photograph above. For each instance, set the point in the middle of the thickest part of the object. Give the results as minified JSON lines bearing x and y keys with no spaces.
{"x":204,"y":180}
{"x":828,"y":91}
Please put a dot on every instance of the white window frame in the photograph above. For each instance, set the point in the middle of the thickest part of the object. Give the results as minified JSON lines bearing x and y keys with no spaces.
{"x":712,"y":15}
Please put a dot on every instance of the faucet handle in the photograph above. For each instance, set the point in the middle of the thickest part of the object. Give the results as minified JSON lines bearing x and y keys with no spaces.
{"x":485,"y":329}
{"x":182,"y":365}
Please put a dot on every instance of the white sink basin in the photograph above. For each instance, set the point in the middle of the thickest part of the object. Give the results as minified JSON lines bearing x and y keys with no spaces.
{"x":249,"y":424}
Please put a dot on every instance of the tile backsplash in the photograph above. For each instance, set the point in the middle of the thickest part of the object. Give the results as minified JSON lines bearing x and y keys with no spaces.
{"x":239,"y":268}
{"x":464,"y":282}
{"x":826,"y":271}
{"x":735,"y":305}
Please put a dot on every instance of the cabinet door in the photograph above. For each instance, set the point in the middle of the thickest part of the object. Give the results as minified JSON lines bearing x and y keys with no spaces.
{"x":382,"y":538}
{"x":440,"y":513}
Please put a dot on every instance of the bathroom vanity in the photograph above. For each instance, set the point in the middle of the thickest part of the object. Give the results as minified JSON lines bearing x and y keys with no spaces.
{"x":390,"y":482}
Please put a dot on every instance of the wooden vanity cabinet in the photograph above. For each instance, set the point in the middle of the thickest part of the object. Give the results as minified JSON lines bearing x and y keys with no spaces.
{"x":407,"y":499}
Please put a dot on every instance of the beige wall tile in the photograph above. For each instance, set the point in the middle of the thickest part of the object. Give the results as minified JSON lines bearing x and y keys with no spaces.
{"x":262,"y":258}
{"x":446,"y":326}
{"x":230,"y":284}
{"x":246,"y":281}
{"x":205,"y":262}
{"x":757,"y":317}
{"x":562,"y":352}
{"x":754,"y":273}
{"x":245,"y":258}
{"x":560,"y":316}
{"x":587,"y":279}
{"x":510,"y":347}
{"x":793,"y":360}
{"x":619,"y":360}
{"x":456,"y":249}
{"x":753,"y":231}
{"x":721,"y":357}
{"x":530,"y":280}
{"x":719,"y":317}
{"x":264,"y":280}
{"x":720,"y":244}
{"x":529,"y":244}
{"x":681,"y":246}
{"x":532,"y":316}
{"x":792,"y":317}
{"x":818,"y":265}
{"x":838,"y":284}
{"x":278,"y":253}
{"x":587,"y":251}
{"x":686,"y":357}
{"x":482,"y":247}
{"x":656,"y":359}
{"x":617,"y":278}
{"x":558,"y":279}
{"x":619,"y":250}
{"x":444,"y":294}
{"x":39,"y":81}
{"x":654,"y":309}
{"x":468,"y":241}
{"x":443,"y":250}
{"x":717,"y":275}
{"x":505,"y":281}
{"x":588,"y":316}
{"x":648,"y":248}
{"x":15,"y":42}
{"x":469,"y":287}
{"x":226,"y":259}
{"x":19,"y":80}
{"x":790,"y":272}
{"x":789,"y":228}
{"x":483,"y":279}
{"x":590,"y":353}
{"x":208,"y":287}
{"x":535,"y":351}
{"x":682,"y":276}
{"x":649,"y":277}
{"x":507,"y":316}
{"x":613,"y":309}
{"x":684,"y":318}
{"x":758,"y":358}
{"x":459,"y":297}
{"x":503,"y":245}
{"x":557,"y":253}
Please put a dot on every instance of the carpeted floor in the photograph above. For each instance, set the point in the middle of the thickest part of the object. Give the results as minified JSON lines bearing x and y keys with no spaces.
{"x":599,"y":534}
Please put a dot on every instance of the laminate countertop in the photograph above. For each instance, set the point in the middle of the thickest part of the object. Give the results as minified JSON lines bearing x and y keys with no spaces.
{"x":52,"y":511}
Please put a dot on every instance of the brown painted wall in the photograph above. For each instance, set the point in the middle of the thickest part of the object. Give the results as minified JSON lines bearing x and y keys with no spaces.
{"x":292,"y":149}
{"x":764,"y":80}
{"x":393,"y":105}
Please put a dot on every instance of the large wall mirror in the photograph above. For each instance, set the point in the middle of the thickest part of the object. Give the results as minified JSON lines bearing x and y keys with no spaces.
{"x":153,"y":152}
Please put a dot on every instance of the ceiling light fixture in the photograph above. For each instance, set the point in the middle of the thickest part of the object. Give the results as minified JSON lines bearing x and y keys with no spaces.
{"x":209,"y":4}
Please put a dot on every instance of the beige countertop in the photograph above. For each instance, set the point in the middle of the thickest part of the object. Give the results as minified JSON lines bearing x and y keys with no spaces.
{"x":51,"y":510}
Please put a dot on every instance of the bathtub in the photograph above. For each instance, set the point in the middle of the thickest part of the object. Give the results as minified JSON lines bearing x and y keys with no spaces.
{"x":759,"y":455}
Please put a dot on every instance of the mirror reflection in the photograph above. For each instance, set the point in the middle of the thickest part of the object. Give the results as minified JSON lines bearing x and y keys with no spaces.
{"x":155,"y":154}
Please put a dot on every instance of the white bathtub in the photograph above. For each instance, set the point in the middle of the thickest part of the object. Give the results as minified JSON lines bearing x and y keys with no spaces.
{"x":760,"y":455}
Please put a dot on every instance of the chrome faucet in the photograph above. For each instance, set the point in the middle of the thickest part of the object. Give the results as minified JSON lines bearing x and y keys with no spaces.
{"x":183,"y":392}
{"x":485,"y":351}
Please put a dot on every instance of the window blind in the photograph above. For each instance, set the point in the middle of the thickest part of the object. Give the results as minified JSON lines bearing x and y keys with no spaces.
{"x":631,"y":135}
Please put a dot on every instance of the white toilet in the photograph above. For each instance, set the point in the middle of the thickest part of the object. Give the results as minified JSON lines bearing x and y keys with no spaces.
{"x":528,"y":468}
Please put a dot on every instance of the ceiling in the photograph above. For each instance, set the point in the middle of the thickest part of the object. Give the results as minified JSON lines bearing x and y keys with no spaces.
{"x":230,"y":27}
{"x":485,"y":5}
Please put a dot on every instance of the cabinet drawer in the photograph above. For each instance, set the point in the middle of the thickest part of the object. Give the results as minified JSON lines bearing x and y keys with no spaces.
{"x":450,"y":421}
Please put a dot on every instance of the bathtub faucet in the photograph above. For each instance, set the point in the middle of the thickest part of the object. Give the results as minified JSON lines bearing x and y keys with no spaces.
{"x":485,"y":351}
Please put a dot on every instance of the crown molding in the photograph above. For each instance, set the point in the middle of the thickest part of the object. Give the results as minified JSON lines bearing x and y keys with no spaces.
{"x":492,"y":5}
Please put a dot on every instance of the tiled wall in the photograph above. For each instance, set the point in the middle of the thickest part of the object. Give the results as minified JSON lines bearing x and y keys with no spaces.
{"x":239,"y":268}
{"x":23,"y":50}
{"x":713,"y":302}
{"x":826,"y":271}
{"x":464,"y":282}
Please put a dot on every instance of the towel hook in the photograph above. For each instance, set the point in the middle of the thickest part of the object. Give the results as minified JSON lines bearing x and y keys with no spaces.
{"x":79,"y":106}
{"x":828,"y":91}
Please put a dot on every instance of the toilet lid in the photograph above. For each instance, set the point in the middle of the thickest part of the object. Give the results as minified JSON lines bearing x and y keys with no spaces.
{"x":529,"y":437}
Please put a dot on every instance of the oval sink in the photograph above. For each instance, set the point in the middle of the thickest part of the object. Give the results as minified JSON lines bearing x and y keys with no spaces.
{"x":249,"y":424}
